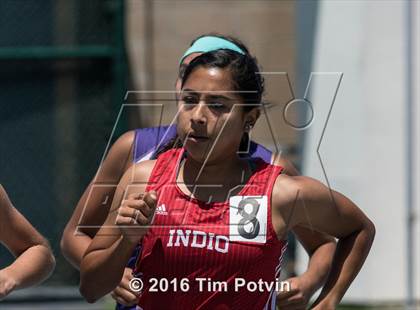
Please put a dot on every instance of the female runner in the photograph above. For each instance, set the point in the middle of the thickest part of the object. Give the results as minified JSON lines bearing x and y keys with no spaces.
{"x":138,"y":145}
{"x":212,"y":221}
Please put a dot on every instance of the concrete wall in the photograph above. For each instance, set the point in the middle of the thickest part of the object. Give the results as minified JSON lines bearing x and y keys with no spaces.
{"x":364,"y":145}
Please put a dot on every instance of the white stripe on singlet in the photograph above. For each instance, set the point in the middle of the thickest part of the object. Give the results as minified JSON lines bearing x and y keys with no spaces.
{"x":271,"y":302}
{"x":147,"y":156}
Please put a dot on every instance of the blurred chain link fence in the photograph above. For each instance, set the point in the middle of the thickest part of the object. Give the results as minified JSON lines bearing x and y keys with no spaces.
{"x":62,"y":81}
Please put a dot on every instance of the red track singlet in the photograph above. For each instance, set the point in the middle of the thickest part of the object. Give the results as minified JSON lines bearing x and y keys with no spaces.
{"x":210,"y":252}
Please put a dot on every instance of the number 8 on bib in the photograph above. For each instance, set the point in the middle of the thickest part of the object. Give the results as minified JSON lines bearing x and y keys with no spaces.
{"x":248,"y":218}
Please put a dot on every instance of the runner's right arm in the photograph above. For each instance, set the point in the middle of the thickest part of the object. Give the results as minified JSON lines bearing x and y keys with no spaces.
{"x":114,"y":243}
{"x":92,"y":208}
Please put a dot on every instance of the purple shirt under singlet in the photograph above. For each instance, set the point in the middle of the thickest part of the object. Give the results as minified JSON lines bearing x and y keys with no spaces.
{"x":148,"y":140}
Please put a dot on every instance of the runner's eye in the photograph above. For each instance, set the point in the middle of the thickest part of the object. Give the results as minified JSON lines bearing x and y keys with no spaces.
{"x":216,"y":105}
{"x":188,"y":99}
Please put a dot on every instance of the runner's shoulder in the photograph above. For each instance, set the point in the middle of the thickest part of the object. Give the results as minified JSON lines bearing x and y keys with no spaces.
{"x":118,"y":159}
{"x":287,"y":165}
{"x":125,"y":142}
{"x":141,"y":171}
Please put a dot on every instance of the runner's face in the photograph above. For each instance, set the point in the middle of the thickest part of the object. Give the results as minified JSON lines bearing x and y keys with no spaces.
{"x":208,"y":108}
{"x":185,"y":62}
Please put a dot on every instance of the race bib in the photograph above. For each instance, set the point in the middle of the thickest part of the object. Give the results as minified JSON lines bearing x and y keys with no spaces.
{"x":248,"y":218}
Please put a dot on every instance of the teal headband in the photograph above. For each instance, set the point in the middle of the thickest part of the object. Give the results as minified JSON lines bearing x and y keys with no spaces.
{"x":209,"y":44}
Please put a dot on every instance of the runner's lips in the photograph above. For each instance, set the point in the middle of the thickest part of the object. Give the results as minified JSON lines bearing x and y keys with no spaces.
{"x":198,"y":138}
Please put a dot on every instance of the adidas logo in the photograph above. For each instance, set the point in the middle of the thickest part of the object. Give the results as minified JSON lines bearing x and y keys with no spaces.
{"x":161,"y":210}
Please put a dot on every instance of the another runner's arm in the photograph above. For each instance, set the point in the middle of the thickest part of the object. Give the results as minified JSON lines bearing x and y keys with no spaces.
{"x":93,"y":211}
{"x":307,"y":202}
{"x":35,"y":261}
{"x":110,"y":249}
